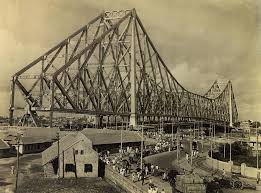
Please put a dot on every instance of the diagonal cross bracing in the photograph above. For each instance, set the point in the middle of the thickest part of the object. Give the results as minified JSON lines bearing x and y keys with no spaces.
{"x":110,"y":67}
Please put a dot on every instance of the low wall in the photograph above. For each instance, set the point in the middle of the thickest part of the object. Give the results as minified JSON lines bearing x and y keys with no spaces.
{"x":123,"y":182}
{"x":220,"y":165}
{"x":245,"y":171}
{"x":250,"y":172}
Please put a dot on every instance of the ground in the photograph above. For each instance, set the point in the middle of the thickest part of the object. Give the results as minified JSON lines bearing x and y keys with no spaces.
{"x":31,"y":179}
{"x":70,"y":185}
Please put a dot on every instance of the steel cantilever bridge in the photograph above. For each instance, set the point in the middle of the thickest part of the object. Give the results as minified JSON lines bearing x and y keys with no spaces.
{"x":111,"y":68}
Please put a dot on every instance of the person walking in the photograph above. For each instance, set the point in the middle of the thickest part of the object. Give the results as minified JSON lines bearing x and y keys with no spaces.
{"x":12,"y":170}
{"x":142,"y":178}
{"x":152,"y":169}
{"x":146,"y":170}
{"x":187,"y":157}
{"x":133,"y":177}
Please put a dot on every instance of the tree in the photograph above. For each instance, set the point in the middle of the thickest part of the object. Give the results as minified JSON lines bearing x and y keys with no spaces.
{"x":255,"y":124}
{"x":236,"y":124}
{"x":239,"y":150}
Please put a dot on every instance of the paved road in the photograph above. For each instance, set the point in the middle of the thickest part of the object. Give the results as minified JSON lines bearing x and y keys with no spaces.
{"x":167,"y":159}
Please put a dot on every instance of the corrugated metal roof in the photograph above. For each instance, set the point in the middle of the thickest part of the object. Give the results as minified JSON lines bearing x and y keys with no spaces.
{"x":108,"y":136}
{"x":32,"y":140}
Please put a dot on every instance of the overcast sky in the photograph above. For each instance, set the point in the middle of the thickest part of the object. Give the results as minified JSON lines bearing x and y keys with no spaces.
{"x":199,"y":40}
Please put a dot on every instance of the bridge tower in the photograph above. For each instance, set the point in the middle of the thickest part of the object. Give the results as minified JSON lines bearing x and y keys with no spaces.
{"x":111,"y":68}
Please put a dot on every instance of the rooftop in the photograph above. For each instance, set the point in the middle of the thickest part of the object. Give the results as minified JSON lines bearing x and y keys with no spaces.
{"x":108,"y":136}
{"x":65,"y":143}
{"x":30,"y":140}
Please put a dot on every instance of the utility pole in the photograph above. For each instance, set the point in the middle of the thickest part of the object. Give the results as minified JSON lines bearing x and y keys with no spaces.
{"x":141,"y":148}
{"x":18,"y":138}
{"x":211,"y":147}
{"x":191,"y":154}
{"x":224,"y":140}
{"x":171,"y":125}
{"x":121,"y":134}
{"x":178,"y":135}
{"x":58,"y":152}
{"x":202,"y":137}
{"x":257,"y":159}
{"x":214,"y":134}
{"x":230,"y":148}
{"x":194,"y":132}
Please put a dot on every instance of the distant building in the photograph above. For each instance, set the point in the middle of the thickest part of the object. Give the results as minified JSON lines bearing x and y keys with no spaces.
{"x":245,"y":126}
{"x":252,"y":139}
{"x":74,"y":158}
{"x":4,"y":149}
{"x":28,"y":131}
{"x":30,"y":144}
{"x":107,"y":139}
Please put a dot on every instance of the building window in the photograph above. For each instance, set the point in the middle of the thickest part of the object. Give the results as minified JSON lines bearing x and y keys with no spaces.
{"x":82,"y":152}
{"x":69,"y":168}
{"x":87,"y":168}
{"x":76,"y":152}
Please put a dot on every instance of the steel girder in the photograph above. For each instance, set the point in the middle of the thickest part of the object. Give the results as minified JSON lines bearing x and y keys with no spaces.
{"x":111,"y":67}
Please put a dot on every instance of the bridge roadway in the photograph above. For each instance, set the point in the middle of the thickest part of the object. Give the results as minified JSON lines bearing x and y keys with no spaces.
{"x":163,"y":160}
{"x":169,"y":160}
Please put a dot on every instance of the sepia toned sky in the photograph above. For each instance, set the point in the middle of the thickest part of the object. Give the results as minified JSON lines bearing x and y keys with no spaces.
{"x":199,"y":41}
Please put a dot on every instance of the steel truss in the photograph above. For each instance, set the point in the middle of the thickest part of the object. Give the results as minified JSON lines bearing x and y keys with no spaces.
{"x":110,"y":67}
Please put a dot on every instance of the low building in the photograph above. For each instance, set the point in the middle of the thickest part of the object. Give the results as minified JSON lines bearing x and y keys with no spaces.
{"x":4,"y":149}
{"x":71,"y":156}
{"x":107,"y":139}
{"x":254,"y":140}
{"x":30,"y":144}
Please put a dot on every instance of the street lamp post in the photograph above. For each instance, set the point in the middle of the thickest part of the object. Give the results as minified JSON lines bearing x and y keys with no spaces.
{"x":141,"y":154}
{"x":202,"y":137}
{"x":171,"y":126}
{"x":191,"y":153}
{"x":194,"y":130}
{"x":257,"y":159}
{"x":121,"y":133}
{"x":18,"y":138}
{"x":230,"y":146}
{"x":58,"y":152}
{"x":178,"y":134}
{"x":224,"y":140}
{"x":211,"y":148}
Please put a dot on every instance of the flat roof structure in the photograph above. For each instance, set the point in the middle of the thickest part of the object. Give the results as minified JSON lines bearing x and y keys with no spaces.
{"x":108,"y":136}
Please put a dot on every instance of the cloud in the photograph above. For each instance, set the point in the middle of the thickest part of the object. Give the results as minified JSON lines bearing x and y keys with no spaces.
{"x":198,"y":40}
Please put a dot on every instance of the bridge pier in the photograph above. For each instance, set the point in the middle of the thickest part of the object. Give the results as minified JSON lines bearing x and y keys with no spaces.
{"x":133,"y":116}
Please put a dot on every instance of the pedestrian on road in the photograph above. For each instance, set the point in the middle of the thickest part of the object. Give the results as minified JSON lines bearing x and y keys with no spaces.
{"x":12,"y":170}
{"x":139,"y":175}
{"x":163,"y":191}
{"x":187,"y":157}
{"x":152,"y":169}
{"x":142,"y":178}
{"x":146,"y":170}
{"x":133,"y":176}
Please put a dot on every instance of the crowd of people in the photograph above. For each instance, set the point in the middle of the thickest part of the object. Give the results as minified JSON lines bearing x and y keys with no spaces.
{"x":121,"y":163}
{"x":127,"y":161}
